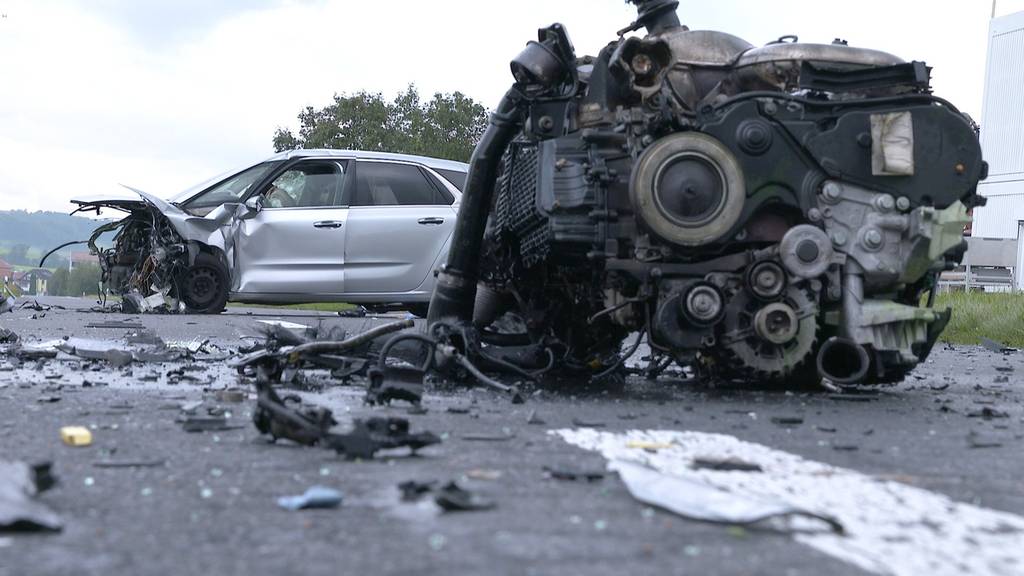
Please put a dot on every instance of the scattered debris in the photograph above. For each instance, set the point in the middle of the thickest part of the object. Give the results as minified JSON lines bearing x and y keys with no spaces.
{"x":649,"y":446}
{"x":535,"y":420}
{"x":588,"y":423}
{"x":453,"y":498}
{"x":310,"y":425}
{"x":483,"y":474}
{"x":129,"y":463}
{"x":412,"y":490}
{"x":7,"y":336}
{"x":313,"y":497}
{"x":787,"y":420}
{"x":846,"y":447}
{"x":988,"y":413}
{"x":725,"y":465}
{"x":573,"y":474}
{"x":206,"y":424}
{"x":76,"y":435}
{"x":996,"y":346}
{"x":19,"y":510}
{"x":117,"y":325}
{"x":699,"y":501}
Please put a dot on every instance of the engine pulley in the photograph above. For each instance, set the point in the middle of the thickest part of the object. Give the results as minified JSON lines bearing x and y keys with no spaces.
{"x":688,"y":188}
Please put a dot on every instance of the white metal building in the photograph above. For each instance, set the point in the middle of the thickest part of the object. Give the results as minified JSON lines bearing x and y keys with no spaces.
{"x":1002,"y":131}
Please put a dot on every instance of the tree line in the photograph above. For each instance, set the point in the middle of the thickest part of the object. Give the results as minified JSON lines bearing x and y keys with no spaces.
{"x":445,"y":126}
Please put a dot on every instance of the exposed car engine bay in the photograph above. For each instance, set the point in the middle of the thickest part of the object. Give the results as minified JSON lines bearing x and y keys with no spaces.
{"x":778,"y":214}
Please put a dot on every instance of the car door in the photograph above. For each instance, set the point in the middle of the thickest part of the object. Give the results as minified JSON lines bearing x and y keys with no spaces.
{"x":296,"y":243}
{"x":399,"y":219}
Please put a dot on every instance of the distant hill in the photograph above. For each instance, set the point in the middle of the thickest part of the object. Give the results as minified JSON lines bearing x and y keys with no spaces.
{"x":42,"y":231}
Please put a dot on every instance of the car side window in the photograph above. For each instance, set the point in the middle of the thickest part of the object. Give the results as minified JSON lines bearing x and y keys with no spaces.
{"x":309,"y":184}
{"x":390,"y":184}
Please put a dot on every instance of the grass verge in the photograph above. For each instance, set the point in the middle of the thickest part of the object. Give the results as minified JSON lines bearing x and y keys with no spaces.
{"x":318,"y":306}
{"x":976,"y":315}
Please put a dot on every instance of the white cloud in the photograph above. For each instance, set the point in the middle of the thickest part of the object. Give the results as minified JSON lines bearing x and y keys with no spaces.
{"x":125,"y":93}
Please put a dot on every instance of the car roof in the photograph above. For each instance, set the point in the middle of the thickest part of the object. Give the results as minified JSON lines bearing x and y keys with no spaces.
{"x":435,"y":163}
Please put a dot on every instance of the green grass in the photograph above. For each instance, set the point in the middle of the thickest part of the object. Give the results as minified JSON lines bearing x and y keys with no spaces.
{"x":318,"y":306}
{"x":976,"y":315}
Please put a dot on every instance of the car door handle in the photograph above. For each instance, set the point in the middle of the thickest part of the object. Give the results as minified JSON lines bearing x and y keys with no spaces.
{"x":428,"y":221}
{"x":327,"y":224}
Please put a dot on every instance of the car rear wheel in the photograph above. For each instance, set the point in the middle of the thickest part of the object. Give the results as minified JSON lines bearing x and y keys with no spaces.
{"x":204,"y":286}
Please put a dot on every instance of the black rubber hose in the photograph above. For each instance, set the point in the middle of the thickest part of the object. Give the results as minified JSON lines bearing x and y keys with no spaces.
{"x":455,"y":290}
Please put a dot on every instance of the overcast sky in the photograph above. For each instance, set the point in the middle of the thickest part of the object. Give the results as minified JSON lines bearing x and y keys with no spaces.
{"x":160,"y":95}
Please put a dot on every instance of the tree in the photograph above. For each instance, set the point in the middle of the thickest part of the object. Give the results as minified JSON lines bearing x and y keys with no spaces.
{"x":447,"y":126}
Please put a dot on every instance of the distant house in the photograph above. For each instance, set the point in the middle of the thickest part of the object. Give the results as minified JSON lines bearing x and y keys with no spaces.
{"x":33,"y":282}
{"x":6,"y":271}
{"x":79,"y":258}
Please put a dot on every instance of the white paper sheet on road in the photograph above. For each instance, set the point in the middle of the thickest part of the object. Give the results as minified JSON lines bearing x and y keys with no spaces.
{"x":890,"y":528}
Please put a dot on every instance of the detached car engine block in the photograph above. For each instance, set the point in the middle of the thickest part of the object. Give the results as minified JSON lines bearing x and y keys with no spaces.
{"x":778,"y":213}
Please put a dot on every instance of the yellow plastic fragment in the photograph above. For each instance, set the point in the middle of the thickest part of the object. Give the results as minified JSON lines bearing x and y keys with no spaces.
{"x":645,"y":445}
{"x":76,"y":435}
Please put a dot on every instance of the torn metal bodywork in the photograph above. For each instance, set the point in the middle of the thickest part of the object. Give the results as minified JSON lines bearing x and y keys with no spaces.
{"x":776,"y":214}
{"x":163,"y":258}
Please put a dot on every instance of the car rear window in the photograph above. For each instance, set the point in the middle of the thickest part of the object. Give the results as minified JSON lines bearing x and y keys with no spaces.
{"x":455,"y":177}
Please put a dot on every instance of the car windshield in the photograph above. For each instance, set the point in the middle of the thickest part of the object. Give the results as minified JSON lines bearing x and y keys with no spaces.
{"x":231,"y":189}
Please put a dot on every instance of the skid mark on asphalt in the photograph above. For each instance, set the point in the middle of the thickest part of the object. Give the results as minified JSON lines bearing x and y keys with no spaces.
{"x":891,"y":528}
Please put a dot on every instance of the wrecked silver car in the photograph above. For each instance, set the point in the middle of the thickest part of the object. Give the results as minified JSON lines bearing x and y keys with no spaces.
{"x":775,"y":213}
{"x":303,"y":226}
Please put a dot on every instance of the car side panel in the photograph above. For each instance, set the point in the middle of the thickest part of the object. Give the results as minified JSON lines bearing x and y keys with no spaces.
{"x":391,"y":249}
{"x":282,"y":250}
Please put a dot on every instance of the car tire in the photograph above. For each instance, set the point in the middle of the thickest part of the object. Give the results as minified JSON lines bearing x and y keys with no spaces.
{"x":205,"y":285}
{"x":418,"y":310}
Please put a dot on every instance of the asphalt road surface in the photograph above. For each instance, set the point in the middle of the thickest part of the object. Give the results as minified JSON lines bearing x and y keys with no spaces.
{"x":924,"y":476}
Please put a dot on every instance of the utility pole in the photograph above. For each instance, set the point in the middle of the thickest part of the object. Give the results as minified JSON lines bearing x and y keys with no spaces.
{"x":994,"y":8}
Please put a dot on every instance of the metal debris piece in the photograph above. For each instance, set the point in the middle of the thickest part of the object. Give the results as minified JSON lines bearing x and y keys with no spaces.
{"x":453,"y":498}
{"x":725,"y":465}
{"x":535,"y":420}
{"x":997,"y":346}
{"x":573,"y":474}
{"x":310,"y":425}
{"x":206,"y":424}
{"x":588,"y":423}
{"x":115,"y":324}
{"x":787,"y":420}
{"x":395,"y":383}
{"x":313,"y":497}
{"x":699,"y":501}
{"x":988,"y":413}
{"x":129,"y":463}
{"x":19,"y":511}
{"x":413,"y":490}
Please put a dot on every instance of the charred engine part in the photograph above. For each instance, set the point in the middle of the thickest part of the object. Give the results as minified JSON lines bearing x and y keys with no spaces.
{"x":308,"y":425}
{"x":446,"y":353}
{"x":772,"y":213}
